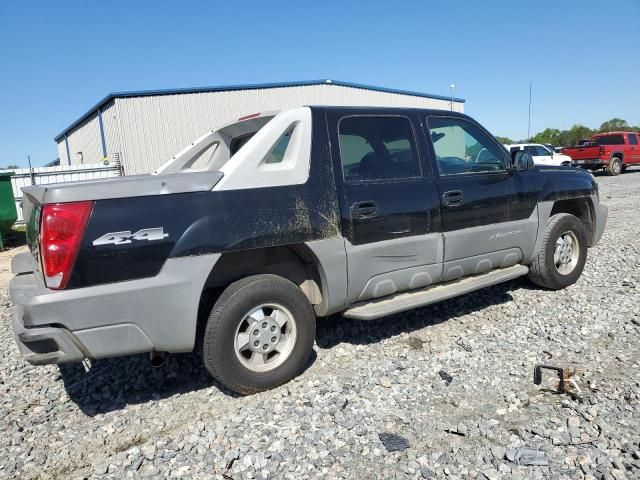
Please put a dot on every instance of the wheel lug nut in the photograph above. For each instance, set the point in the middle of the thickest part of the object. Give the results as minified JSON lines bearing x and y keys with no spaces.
{"x":264,"y":324}
{"x":273,"y":328}
{"x":256,"y":332}
{"x":256,"y":343}
{"x":273,"y":339}
{"x":265,"y":346}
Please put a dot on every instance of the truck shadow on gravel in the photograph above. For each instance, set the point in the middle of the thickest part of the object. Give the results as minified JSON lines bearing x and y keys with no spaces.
{"x":113,"y":384}
{"x":337,"y":329}
{"x":601,"y":173}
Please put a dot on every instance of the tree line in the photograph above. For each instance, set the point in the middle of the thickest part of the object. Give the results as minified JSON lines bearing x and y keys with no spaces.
{"x":569,"y":138}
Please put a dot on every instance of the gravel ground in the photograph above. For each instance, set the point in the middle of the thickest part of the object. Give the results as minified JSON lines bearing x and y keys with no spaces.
{"x":453,"y":381}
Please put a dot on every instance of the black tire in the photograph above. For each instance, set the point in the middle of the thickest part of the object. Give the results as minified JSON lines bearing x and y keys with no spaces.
{"x":543,"y":271}
{"x":615,"y":167}
{"x":239,"y":298}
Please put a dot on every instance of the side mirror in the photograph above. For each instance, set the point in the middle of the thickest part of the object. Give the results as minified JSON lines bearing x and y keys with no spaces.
{"x":521,"y":160}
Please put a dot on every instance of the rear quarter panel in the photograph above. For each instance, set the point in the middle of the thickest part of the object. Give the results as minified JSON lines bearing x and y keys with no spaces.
{"x":199,"y":223}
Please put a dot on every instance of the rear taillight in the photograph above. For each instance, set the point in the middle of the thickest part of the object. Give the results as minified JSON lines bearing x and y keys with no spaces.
{"x":61,"y":232}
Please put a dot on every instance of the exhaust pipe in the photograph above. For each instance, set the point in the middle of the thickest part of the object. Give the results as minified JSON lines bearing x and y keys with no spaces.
{"x":157,"y":359}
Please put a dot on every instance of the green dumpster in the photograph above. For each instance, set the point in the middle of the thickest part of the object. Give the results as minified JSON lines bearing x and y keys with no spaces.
{"x":8,"y":213}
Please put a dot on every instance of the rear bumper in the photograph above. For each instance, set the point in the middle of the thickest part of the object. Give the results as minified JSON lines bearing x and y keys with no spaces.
{"x":158,"y":313}
{"x":41,"y":346}
{"x":590,"y":163}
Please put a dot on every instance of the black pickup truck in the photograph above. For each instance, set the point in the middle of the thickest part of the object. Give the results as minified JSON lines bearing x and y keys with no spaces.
{"x":238,"y":243}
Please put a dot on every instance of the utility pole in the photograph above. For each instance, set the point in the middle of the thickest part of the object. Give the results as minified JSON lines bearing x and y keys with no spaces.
{"x":529,"y":125}
{"x":33,"y":179}
{"x":453,"y":86}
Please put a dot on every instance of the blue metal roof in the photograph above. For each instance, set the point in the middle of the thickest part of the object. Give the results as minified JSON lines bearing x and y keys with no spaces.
{"x":255,"y":86}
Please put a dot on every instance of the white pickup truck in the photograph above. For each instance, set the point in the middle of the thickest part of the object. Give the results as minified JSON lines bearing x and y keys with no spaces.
{"x":541,"y":154}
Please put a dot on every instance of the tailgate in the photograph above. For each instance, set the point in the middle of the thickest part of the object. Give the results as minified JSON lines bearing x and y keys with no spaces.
{"x":579,"y":153}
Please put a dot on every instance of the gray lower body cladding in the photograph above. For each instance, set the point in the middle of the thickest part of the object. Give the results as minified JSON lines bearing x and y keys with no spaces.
{"x":158,"y":313}
{"x":602,"y":212}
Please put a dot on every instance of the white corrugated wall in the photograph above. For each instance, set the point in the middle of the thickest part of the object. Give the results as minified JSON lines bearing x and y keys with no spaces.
{"x":112,"y":130}
{"x":62,"y":152}
{"x":147,"y":131}
{"x":85,"y":145}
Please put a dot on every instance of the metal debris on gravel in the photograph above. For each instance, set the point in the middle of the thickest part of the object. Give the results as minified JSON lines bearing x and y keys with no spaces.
{"x":393,"y":443}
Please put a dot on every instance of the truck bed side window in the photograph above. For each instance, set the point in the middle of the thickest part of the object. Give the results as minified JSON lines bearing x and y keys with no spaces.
{"x":463,"y":148}
{"x":276,"y":155}
{"x":377,"y":148}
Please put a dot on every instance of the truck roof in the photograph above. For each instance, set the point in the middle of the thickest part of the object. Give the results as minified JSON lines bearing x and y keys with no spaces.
{"x":614,"y":133}
{"x":347,"y":108}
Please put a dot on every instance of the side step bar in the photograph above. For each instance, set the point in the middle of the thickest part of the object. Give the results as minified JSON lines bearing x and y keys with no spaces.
{"x":399,"y":302}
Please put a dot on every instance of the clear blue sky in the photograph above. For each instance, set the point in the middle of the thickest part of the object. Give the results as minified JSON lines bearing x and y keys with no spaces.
{"x":57,"y":59}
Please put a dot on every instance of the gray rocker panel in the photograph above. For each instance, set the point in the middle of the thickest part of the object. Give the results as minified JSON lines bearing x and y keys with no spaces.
{"x":436,"y":293}
{"x":481,"y":263}
{"x":376,"y":268}
{"x":495,"y":237}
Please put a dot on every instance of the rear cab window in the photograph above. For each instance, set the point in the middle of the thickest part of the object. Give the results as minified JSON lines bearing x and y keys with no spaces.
{"x":378,"y":148}
{"x":608,"y":140}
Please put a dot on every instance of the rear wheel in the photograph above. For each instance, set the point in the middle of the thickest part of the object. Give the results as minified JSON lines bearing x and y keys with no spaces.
{"x":615,"y":167}
{"x":259,"y":334}
{"x":563,"y":254}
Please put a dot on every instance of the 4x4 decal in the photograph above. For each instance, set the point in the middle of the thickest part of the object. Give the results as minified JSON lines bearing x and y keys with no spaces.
{"x":121,"y":238}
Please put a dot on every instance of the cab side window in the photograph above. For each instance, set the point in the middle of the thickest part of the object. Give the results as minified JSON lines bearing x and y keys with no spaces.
{"x":463,"y":148}
{"x":633,"y":139}
{"x":541,"y":151}
{"x":377,"y":149}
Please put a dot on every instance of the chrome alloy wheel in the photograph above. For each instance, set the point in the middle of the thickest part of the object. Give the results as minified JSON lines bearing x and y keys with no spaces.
{"x":566,"y":253}
{"x":265,"y":337}
{"x":616,"y":167}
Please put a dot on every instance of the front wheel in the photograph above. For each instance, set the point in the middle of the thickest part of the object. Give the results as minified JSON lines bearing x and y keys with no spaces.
{"x":563,"y":253}
{"x":259,"y":334}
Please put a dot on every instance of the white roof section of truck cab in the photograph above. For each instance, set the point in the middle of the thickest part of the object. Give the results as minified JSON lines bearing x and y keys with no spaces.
{"x":249,"y":168}
{"x":520,"y":145}
{"x":217,"y":140}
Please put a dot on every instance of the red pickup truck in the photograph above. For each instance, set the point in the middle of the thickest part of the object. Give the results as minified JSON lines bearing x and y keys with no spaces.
{"x":613,"y":151}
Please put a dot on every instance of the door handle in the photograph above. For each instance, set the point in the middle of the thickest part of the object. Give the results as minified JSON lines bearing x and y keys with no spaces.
{"x":363,"y":210}
{"x":453,"y":198}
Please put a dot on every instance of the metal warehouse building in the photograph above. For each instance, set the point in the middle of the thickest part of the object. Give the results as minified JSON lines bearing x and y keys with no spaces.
{"x":141,"y":130}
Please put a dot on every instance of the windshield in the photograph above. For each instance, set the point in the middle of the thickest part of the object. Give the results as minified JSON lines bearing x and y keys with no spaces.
{"x":608,"y":140}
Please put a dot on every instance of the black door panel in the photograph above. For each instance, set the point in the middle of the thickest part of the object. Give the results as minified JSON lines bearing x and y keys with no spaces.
{"x":483,"y":199}
{"x":400,"y":211}
{"x":389,"y":202}
{"x":383,"y":193}
{"x":486,"y":205}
